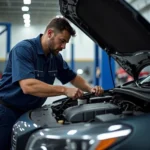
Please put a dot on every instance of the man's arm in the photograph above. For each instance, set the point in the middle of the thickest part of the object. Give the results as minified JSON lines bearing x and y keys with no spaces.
{"x":38,"y":88}
{"x":82,"y":84}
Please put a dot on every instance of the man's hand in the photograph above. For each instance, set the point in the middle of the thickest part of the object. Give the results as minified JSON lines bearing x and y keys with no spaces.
{"x":73,"y":93}
{"x":97,"y":90}
{"x":82,"y":84}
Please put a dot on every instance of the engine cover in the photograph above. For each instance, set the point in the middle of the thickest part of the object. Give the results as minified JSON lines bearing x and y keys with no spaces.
{"x":87,"y":112}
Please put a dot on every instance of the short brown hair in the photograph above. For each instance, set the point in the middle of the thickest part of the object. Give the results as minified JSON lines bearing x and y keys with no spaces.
{"x":60,"y":24}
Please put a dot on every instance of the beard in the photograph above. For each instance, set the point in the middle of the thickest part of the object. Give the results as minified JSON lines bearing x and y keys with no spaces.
{"x":51,"y":47}
{"x":54,"y":52}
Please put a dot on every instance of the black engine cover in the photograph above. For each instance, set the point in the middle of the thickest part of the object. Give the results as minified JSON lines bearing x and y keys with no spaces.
{"x":87,"y":112}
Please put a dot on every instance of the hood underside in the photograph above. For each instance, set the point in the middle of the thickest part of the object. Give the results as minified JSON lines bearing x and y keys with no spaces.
{"x":116,"y":27}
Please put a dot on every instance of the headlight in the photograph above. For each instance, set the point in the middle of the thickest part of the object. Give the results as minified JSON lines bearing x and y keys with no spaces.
{"x":59,"y":144}
{"x":82,"y":139}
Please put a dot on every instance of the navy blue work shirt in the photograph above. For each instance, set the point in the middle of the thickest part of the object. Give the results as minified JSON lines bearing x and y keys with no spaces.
{"x":27,"y":60}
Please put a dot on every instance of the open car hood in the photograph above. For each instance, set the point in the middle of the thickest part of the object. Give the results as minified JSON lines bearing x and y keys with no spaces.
{"x":116,"y":27}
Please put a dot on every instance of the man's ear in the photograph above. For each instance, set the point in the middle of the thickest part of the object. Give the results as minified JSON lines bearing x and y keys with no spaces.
{"x":50,"y":33}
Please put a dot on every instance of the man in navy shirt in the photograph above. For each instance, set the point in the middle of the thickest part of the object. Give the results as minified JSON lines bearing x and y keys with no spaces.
{"x":31,"y":69}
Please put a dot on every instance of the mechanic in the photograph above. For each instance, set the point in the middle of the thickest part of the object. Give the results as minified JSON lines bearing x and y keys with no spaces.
{"x":30,"y":72}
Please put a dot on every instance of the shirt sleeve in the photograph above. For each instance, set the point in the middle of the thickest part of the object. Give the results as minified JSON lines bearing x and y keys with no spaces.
{"x":22,"y":63}
{"x":65,"y":73}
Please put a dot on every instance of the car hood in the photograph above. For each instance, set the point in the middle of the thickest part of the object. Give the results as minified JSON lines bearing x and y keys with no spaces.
{"x":116,"y":27}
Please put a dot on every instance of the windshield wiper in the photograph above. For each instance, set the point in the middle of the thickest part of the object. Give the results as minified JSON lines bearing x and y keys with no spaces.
{"x":145,"y":84}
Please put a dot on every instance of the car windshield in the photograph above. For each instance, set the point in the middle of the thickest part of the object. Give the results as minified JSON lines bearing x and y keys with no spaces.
{"x":142,"y":6}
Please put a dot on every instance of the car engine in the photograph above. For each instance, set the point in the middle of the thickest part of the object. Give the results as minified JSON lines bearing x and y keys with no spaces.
{"x":113,"y":104}
{"x":120,"y":102}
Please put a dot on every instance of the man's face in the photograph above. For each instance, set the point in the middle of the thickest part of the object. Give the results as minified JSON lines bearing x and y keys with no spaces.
{"x":57,"y":41}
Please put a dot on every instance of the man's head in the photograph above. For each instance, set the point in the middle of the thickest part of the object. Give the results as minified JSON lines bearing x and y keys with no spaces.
{"x":58,"y":33}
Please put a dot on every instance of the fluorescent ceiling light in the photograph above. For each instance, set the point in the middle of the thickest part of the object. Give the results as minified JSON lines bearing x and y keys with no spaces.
{"x":25,"y":8}
{"x":27,"y":1}
{"x":27,"y":25}
{"x":26,"y":16}
{"x":59,"y":16}
{"x":27,"y":21}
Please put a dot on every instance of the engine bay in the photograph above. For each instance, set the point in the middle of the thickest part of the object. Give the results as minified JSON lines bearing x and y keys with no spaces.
{"x":113,"y":104}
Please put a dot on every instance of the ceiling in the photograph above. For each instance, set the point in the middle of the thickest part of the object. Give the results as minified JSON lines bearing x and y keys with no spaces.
{"x":40,"y":11}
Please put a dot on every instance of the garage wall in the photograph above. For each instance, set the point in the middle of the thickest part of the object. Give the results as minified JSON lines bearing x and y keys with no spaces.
{"x":83,"y":44}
